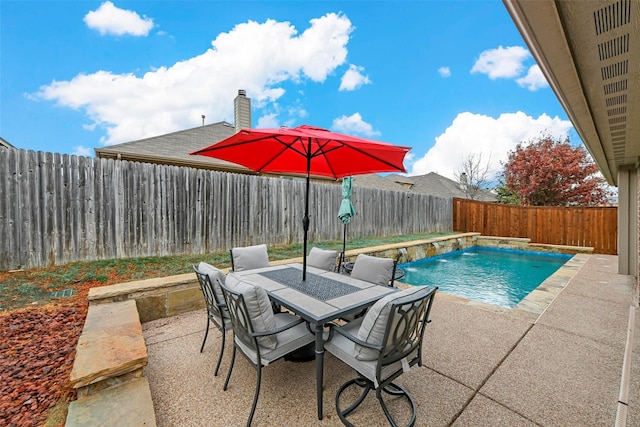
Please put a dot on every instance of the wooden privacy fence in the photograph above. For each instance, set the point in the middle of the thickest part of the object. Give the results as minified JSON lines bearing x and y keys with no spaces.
{"x":59,"y":208}
{"x":596,"y":227}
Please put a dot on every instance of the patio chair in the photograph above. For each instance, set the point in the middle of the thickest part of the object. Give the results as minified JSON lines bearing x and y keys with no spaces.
{"x":249,"y":257}
{"x":383,"y":345}
{"x":217,"y":312}
{"x":374,"y":269}
{"x":261,"y":336}
{"x":323,"y":259}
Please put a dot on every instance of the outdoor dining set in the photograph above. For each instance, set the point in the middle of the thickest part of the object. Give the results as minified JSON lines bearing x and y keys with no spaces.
{"x":360,"y":318}
{"x":277,"y":311}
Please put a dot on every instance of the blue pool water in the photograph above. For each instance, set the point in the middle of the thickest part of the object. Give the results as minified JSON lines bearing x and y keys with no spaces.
{"x":500,"y":277}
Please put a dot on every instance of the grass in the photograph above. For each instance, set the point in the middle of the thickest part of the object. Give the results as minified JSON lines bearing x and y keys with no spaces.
{"x":34,"y":287}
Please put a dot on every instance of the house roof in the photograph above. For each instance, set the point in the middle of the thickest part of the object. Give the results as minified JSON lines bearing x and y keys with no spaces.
{"x":431,"y":183}
{"x":373,"y":180}
{"x":5,"y":144}
{"x":174,"y":148}
{"x":438,"y":185}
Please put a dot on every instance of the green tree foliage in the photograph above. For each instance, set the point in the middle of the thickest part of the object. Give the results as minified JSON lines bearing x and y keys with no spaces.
{"x":548,"y":172}
{"x":506,"y":196}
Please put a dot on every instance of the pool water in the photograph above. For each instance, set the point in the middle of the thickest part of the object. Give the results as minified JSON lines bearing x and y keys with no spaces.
{"x":501,"y":277}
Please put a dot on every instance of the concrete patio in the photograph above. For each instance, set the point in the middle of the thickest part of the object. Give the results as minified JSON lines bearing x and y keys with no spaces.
{"x":482,"y":367}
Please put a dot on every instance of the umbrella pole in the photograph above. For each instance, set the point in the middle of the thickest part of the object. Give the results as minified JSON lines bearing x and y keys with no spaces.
{"x":344,"y":246}
{"x":305,"y":220}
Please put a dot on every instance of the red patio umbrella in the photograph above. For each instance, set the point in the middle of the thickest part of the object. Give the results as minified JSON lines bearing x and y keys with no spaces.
{"x":307,"y":150}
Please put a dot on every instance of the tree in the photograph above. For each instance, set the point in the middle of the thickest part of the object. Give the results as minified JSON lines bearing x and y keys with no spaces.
{"x":548,"y":172}
{"x":473,"y":175}
{"x":506,"y":196}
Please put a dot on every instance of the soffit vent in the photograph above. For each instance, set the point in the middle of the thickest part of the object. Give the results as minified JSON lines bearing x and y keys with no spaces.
{"x":616,"y":100}
{"x":617,"y":120}
{"x":613,"y":51}
{"x":615,"y":70}
{"x":613,"y":47}
{"x":612,"y":16}
{"x":614,"y":87}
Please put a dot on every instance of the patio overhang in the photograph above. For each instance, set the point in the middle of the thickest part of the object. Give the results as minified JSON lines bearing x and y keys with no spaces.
{"x":589,"y":53}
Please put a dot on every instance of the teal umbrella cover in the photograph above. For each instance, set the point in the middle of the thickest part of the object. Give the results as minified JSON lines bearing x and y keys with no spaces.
{"x":345,"y":213}
{"x":346,"y":207}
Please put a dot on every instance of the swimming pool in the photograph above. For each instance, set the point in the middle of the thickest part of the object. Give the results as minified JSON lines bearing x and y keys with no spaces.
{"x":501,"y":277}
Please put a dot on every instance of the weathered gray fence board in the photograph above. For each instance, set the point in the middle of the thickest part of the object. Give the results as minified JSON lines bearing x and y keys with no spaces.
{"x":60,"y":208}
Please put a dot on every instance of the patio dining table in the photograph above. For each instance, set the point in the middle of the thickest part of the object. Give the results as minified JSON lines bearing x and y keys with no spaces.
{"x":323,"y":297}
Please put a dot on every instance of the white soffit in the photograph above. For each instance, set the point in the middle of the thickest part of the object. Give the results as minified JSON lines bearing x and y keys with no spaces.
{"x":589,"y":51}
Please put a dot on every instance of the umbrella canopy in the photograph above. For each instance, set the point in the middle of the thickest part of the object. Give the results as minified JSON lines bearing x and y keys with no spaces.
{"x":307,"y":150}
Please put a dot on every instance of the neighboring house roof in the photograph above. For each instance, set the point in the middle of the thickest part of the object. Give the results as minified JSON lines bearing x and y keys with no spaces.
{"x":5,"y":144}
{"x":374,"y":180}
{"x":174,"y":148}
{"x":437,"y":185}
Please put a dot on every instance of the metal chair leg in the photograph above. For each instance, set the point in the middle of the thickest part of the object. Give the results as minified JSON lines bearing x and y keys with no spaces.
{"x":205,"y":335}
{"x":395,"y":390}
{"x":233,"y":359}
{"x":366,"y":385}
{"x":215,"y":374}
{"x":255,"y":396}
{"x":360,"y":382}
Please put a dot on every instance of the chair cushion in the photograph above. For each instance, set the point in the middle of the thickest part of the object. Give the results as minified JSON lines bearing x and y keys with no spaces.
{"x":344,"y":349}
{"x":373,"y":269}
{"x":258,"y":306}
{"x":375,"y":322}
{"x":322,"y":258}
{"x":288,"y":340}
{"x":250,"y":257}
{"x":214,"y":274}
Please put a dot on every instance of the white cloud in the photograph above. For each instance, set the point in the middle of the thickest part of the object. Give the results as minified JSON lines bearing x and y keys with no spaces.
{"x":444,"y":72}
{"x":491,"y":137}
{"x":534,"y":79}
{"x":353,"y":124}
{"x":83,"y":151}
{"x":252,"y":56}
{"x":501,"y":62}
{"x":353,"y":78}
{"x":109,"y":19}
{"x":269,"y":121}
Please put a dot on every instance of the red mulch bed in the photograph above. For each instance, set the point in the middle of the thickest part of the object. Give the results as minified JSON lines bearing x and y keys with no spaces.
{"x":37,"y":349}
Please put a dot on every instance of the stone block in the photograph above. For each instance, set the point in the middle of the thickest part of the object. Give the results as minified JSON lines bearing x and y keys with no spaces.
{"x":111,"y":344}
{"x":152,"y":307}
{"x":126,"y":404}
{"x":182,"y":300}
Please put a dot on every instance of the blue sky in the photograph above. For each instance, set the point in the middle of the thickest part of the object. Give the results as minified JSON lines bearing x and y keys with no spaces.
{"x":448,"y":78}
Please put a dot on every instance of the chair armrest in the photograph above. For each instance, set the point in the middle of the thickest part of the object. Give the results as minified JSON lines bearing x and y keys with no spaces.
{"x":351,"y":337}
{"x":277,"y":330}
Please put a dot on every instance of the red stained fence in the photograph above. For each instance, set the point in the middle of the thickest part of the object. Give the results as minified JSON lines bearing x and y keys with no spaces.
{"x":596,"y":227}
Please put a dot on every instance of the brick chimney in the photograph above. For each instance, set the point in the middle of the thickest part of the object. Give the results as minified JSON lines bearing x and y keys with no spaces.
{"x":242,"y":111}
{"x":463,"y":182}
